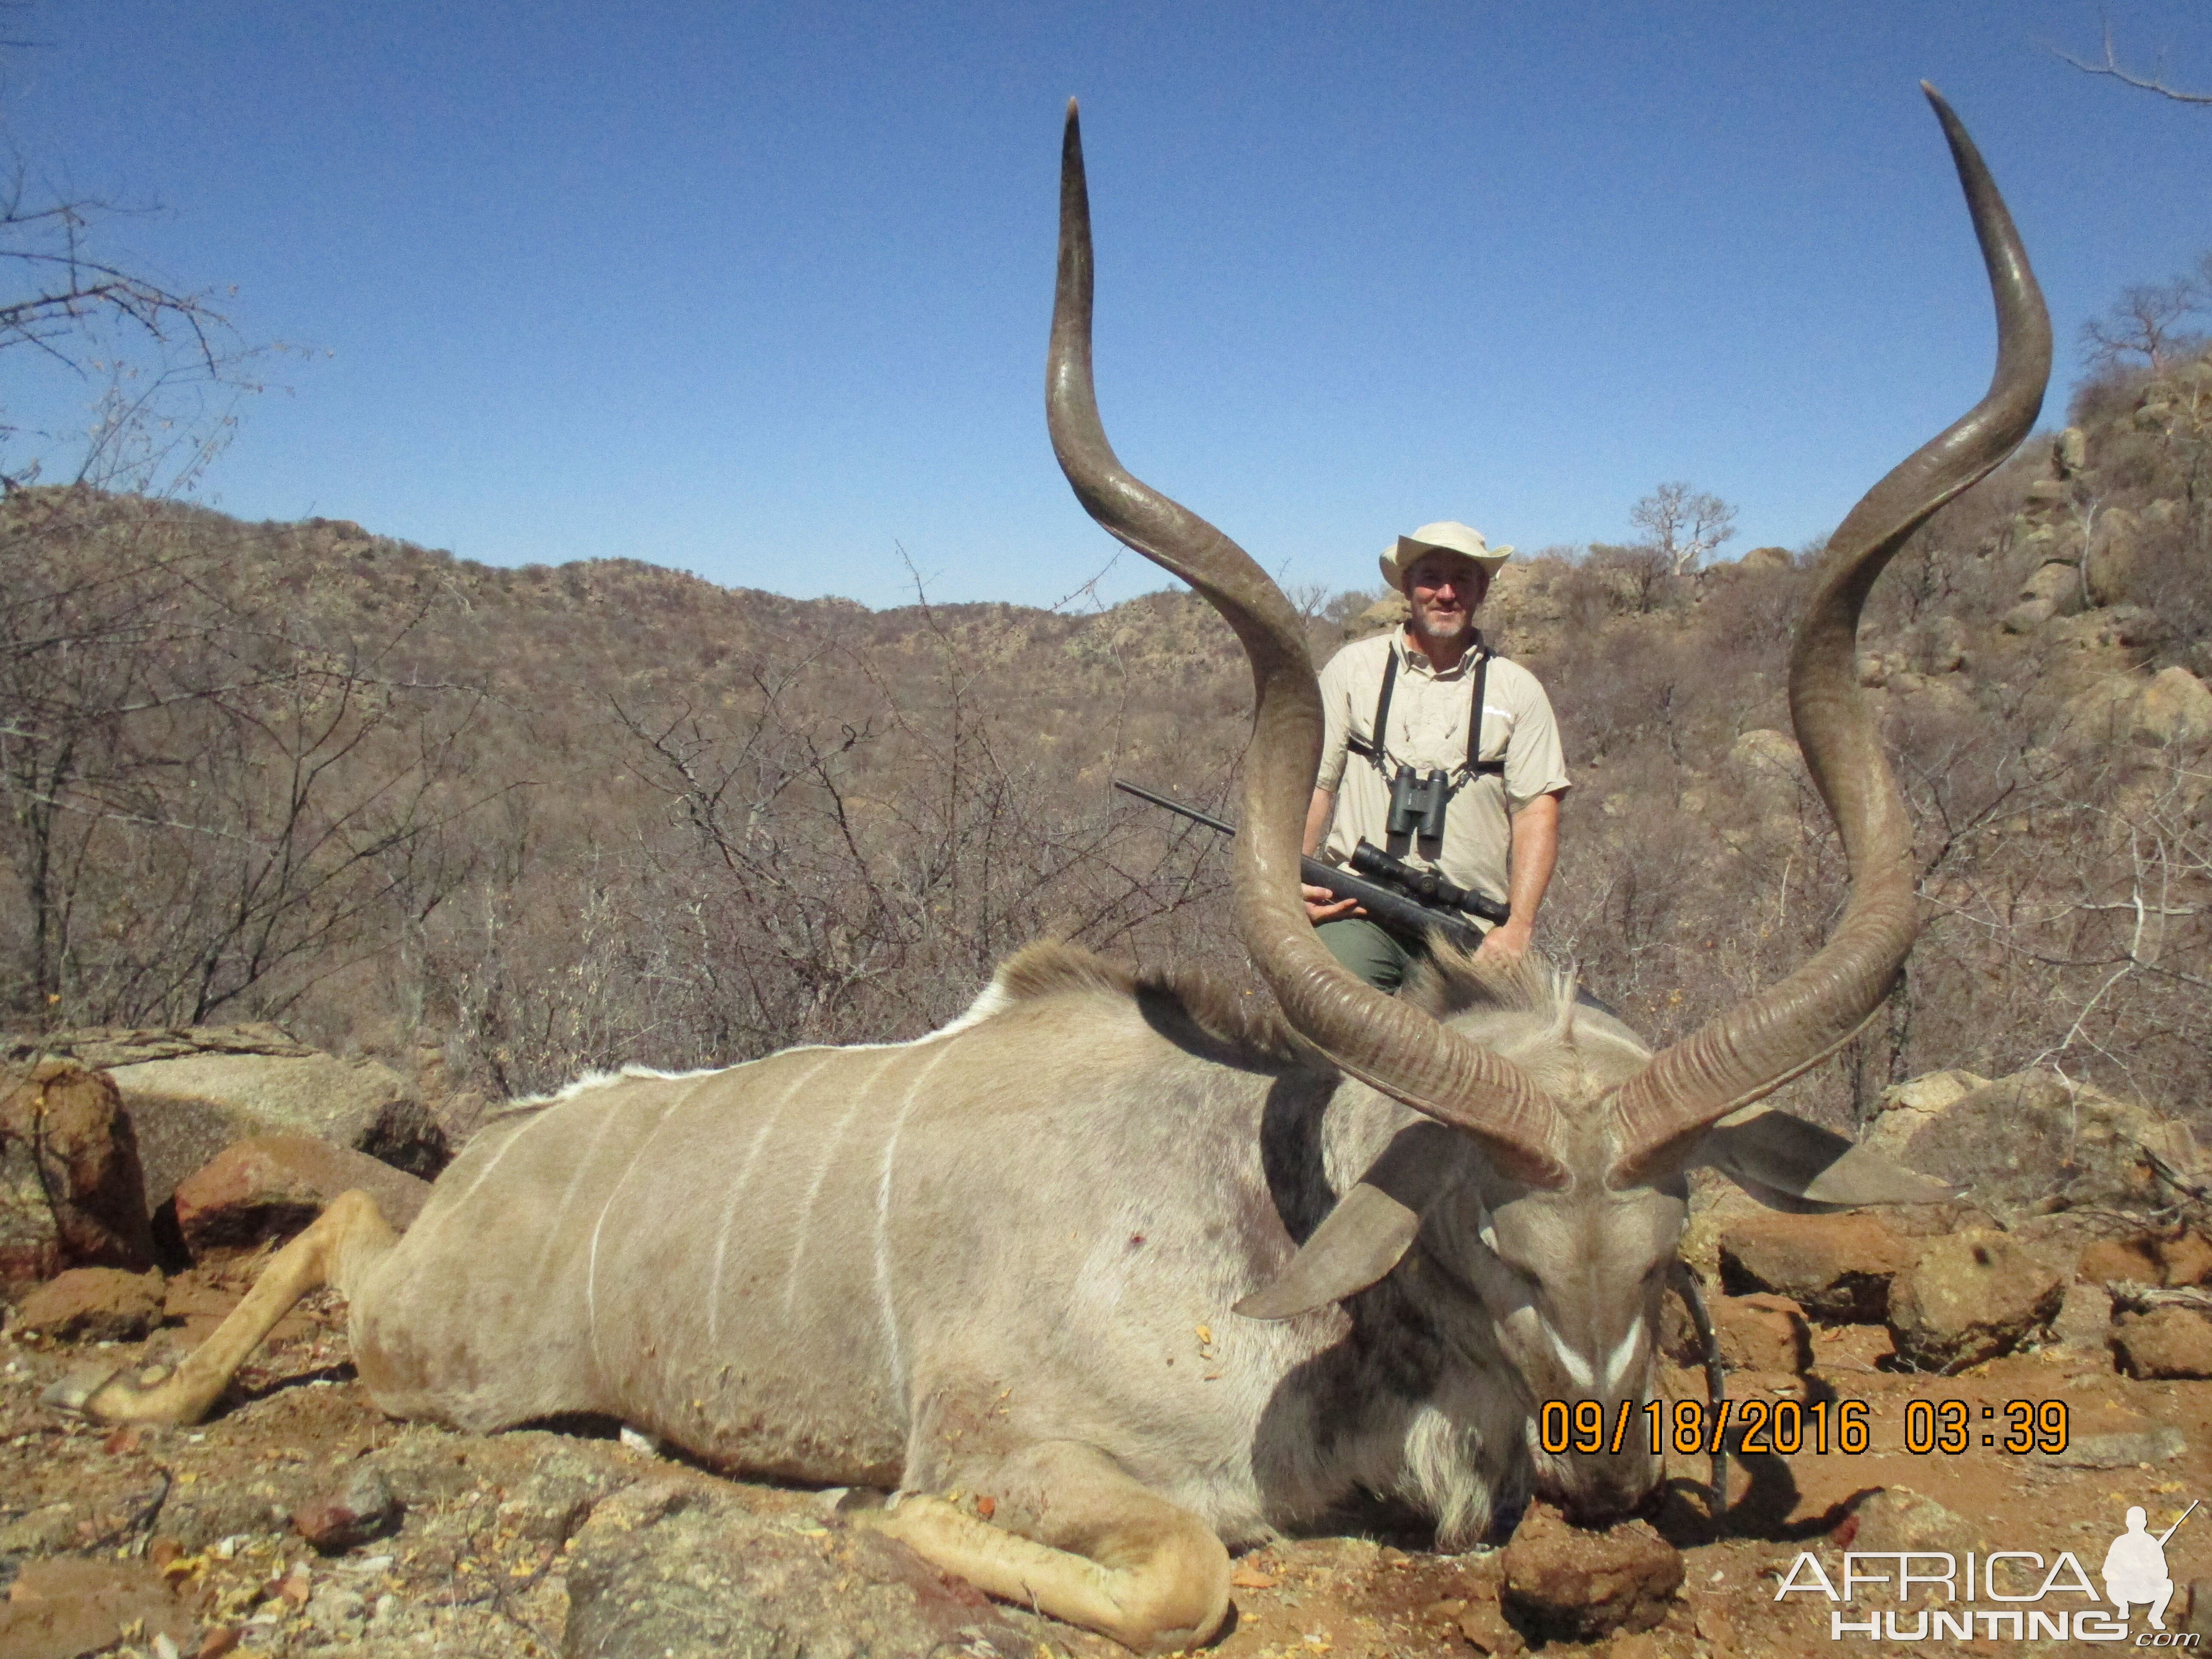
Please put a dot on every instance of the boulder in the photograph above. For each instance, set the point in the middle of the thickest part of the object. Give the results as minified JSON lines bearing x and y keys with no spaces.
{"x":2184,"y":1258}
{"x":1767,"y":558}
{"x":2056,"y":587}
{"x":2109,"y":567}
{"x":2165,"y":1342}
{"x":94,"y":1305}
{"x":2175,"y":708}
{"x":1908,"y":1108}
{"x":271,"y":1186}
{"x":2034,"y":1142}
{"x":669,"y":1569}
{"x":1969,"y":1298}
{"x":1899,"y":1518}
{"x":1836,"y":1268}
{"x":2084,"y":1318}
{"x":1563,"y":1583}
{"x":71,"y":1193}
{"x":1762,"y":1332}
{"x":2171,"y":706}
{"x":192,"y":1092}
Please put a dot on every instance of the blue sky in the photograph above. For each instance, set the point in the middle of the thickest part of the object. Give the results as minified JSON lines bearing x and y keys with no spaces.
{"x":761,"y":291}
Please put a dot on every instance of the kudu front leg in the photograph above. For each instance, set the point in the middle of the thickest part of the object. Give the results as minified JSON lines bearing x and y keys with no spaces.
{"x":338,"y":1248}
{"x":1072,"y":1535}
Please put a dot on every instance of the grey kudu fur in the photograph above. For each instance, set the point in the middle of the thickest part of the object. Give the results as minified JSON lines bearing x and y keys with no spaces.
{"x":1000,"y":1260}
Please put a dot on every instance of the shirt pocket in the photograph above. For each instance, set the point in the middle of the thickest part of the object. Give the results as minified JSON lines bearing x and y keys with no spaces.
{"x":1496,"y":731}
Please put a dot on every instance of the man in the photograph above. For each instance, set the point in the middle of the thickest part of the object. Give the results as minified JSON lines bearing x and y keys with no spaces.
{"x":2135,"y":1569}
{"x":1497,"y":803}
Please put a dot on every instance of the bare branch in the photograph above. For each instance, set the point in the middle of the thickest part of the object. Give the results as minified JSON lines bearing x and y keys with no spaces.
{"x":2111,"y":67}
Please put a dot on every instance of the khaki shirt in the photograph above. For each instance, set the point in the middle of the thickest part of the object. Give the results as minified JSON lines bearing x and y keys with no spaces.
{"x":1428,"y":729}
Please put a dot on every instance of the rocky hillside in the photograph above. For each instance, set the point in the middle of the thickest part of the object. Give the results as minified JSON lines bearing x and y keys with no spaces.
{"x":518,"y":822}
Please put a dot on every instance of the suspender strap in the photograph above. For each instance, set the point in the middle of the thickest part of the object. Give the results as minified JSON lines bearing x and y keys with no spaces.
{"x":1476,"y":766}
{"x":1382,"y":706}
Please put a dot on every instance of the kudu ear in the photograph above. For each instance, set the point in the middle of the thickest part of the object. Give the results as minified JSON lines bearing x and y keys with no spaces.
{"x":1368,"y":1232}
{"x":1788,"y":1163}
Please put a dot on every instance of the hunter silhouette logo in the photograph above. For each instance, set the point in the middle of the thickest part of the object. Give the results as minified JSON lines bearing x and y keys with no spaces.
{"x":2135,"y":1567}
{"x":2015,"y":1595}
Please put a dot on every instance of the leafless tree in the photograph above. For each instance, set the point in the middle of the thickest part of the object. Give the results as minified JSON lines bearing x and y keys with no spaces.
{"x":160,"y":366}
{"x":1684,"y":523}
{"x":2110,"y":64}
{"x":2144,"y":326}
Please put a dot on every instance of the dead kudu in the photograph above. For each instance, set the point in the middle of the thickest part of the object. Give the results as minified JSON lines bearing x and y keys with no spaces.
{"x":1158,"y":1277}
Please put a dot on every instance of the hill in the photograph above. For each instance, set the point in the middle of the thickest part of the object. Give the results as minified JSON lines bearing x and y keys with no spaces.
{"x":522,"y":822}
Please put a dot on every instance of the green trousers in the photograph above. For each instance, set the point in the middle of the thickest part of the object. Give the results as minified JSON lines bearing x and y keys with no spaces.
{"x":1370,"y":951}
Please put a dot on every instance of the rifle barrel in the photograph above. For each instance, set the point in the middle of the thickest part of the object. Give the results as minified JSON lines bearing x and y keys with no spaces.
{"x":2176,"y":1526}
{"x":1191,"y":812}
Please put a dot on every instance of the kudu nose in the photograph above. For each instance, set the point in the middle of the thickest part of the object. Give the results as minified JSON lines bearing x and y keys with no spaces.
{"x":1603,"y":1487}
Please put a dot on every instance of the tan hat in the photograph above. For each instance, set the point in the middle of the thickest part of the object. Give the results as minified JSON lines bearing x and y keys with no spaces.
{"x":1447,"y":535}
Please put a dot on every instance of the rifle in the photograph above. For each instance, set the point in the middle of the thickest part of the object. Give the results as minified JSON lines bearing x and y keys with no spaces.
{"x":1394,"y":893}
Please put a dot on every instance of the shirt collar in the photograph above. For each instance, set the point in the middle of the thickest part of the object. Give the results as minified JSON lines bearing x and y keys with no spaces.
{"x":1417,"y":661}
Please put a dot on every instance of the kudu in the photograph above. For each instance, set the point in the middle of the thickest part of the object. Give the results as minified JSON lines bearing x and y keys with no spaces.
{"x":1001,"y":1260}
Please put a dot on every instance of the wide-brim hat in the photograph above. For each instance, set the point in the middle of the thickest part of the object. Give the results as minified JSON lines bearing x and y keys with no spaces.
{"x":1446,"y":535}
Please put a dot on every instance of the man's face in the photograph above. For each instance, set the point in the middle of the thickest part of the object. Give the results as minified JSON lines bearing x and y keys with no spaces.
{"x":1446,"y":589}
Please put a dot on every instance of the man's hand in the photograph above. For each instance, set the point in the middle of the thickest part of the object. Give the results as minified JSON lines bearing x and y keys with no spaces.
{"x":1322,"y":905}
{"x":1507,"y":942}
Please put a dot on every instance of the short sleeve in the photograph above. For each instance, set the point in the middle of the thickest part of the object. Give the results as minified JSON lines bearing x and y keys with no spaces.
{"x":1335,"y":682}
{"x":1535,"y":764}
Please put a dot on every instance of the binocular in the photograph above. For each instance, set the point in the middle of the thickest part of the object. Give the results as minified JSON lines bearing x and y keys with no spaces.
{"x":1417,"y":803}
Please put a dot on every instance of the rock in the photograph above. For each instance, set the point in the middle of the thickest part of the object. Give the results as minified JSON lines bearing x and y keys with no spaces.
{"x":62,"y":1607}
{"x":94,"y":1305}
{"x":2069,"y":452}
{"x":1386,"y":613}
{"x":2109,"y":566}
{"x":1762,"y":1332}
{"x":2032,"y":1141}
{"x":362,"y":1509}
{"x":2125,"y":1449}
{"x":1767,"y":772}
{"x":670,"y":1571}
{"x":2172,"y":706}
{"x":2084,"y":1318}
{"x":558,"y":1497}
{"x":46,"y":1531}
{"x":1836,"y":1268}
{"x":2165,"y":1342}
{"x":2028,"y":615}
{"x":188,"y":1107}
{"x":2123,"y":1262}
{"x":1766,"y":558}
{"x":71,"y":1191}
{"x":1900,"y":1519}
{"x":271,"y":1186}
{"x":1908,"y":1108}
{"x":2186,"y":1259}
{"x":1484,"y":1627}
{"x":1563,"y":1583}
{"x":1969,"y":1298}
{"x":2176,"y":706}
{"x":2055,"y":586}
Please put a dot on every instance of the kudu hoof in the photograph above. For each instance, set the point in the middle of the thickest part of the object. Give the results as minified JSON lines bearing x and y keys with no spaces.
{"x":74,"y":1394}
